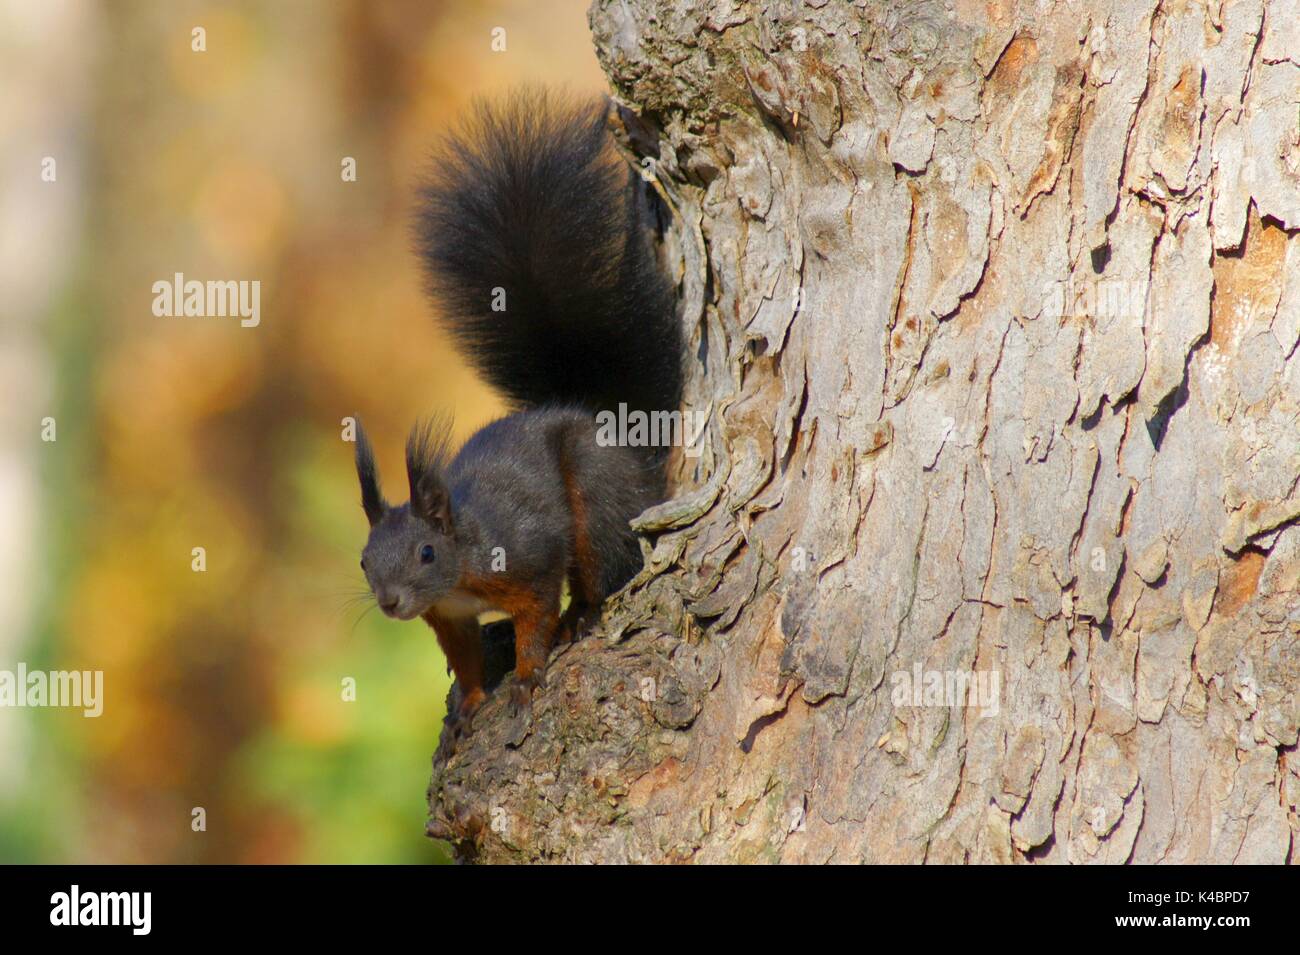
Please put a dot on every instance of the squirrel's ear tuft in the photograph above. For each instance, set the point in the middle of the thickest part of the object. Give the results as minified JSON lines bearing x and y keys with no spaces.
{"x":426,"y":457}
{"x":372,"y":499}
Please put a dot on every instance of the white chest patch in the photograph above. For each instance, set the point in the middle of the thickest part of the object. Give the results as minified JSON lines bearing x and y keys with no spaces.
{"x":458,"y":606}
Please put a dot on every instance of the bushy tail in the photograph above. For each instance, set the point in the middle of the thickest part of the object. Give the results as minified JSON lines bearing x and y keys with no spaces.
{"x":537,"y":245}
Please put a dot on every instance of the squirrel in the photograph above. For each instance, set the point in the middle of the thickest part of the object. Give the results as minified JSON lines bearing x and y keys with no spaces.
{"x":540,"y":251}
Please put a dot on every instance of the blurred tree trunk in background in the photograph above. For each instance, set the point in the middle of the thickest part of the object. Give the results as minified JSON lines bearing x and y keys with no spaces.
{"x":994,"y":307}
{"x":42,"y":181}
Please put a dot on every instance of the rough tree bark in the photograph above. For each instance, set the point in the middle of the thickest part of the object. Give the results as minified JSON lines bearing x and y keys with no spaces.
{"x":994,"y":307}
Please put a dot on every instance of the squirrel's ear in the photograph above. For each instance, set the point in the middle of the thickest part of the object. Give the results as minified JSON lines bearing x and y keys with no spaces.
{"x":429,"y":500}
{"x":426,"y":454}
{"x":372,"y":500}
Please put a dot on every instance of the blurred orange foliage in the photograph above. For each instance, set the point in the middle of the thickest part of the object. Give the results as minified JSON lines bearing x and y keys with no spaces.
{"x":225,"y":687}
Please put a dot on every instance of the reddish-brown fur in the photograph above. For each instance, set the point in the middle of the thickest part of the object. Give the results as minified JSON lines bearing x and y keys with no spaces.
{"x":460,"y":642}
{"x":534,"y":608}
{"x":584,"y":567}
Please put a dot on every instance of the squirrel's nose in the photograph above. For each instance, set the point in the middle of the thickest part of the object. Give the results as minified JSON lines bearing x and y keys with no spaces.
{"x":387,"y":601}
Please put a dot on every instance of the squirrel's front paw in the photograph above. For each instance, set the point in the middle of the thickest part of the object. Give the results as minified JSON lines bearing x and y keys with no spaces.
{"x":521,"y":691}
{"x":463,"y":721}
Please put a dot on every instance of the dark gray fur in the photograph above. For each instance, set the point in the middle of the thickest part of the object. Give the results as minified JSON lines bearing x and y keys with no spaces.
{"x":530,"y":198}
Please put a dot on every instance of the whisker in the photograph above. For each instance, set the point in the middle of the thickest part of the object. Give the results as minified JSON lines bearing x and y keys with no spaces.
{"x":361,"y":616}
{"x":349,"y":602}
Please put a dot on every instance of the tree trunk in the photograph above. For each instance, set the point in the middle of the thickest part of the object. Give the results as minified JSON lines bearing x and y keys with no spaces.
{"x":993,"y":551}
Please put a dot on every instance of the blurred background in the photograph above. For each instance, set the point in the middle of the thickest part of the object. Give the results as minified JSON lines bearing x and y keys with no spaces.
{"x":223,"y":689}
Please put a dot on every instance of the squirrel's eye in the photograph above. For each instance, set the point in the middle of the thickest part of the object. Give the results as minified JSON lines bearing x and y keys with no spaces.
{"x":363,"y":563}
{"x":426,"y":553}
